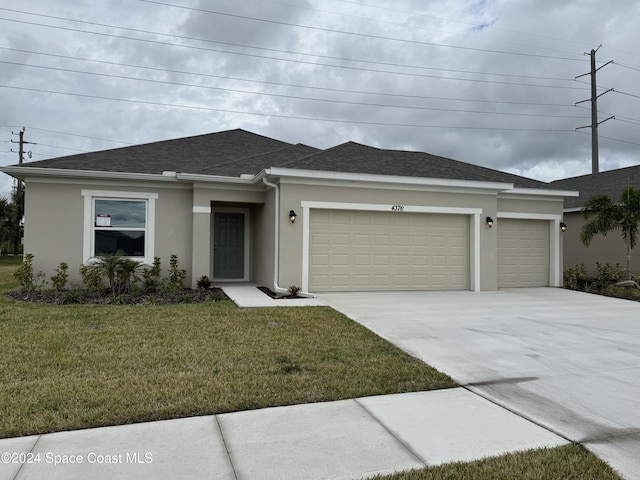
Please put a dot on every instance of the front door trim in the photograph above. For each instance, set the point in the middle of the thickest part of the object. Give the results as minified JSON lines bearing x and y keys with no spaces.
{"x":247,"y":245}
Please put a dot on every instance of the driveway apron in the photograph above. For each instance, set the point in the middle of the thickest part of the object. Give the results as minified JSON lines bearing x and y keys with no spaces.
{"x":568,"y":361}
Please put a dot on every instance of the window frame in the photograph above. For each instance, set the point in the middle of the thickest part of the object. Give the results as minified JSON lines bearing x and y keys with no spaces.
{"x":90,"y":196}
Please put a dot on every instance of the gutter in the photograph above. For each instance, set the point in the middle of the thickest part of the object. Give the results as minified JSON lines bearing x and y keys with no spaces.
{"x":276,"y":256}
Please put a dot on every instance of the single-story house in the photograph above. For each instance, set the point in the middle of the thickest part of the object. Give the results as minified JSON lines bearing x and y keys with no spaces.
{"x":237,"y":206}
{"x":610,"y":249}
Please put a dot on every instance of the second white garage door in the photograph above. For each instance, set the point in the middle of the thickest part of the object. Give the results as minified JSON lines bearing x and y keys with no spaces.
{"x":523,"y":253}
{"x":360,"y":251}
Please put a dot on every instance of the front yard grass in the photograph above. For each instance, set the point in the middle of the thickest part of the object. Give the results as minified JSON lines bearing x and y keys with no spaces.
{"x":79,"y":366}
{"x":570,"y":462}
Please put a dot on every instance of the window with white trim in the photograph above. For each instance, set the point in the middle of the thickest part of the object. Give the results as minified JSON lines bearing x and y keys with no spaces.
{"x":119,"y":222}
{"x":120,"y":226}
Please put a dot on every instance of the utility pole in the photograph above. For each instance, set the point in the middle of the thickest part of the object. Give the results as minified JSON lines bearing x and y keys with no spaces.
{"x":18,"y":193}
{"x":21,"y":145}
{"x":595,"y":160}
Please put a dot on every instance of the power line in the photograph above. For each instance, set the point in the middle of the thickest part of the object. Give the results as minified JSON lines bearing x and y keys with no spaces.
{"x":365,"y":35}
{"x":416,"y":42}
{"x":289,"y":52}
{"x":301,"y":62}
{"x":296,"y":97}
{"x":77,"y":135}
{"x":311,"y":87}
{"x":294,"y":117}
{"x":417,"y":27}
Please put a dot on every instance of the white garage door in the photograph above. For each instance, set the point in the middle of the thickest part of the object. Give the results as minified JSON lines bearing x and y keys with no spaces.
{"x":360,"y":251}
{"x":523,"y":253}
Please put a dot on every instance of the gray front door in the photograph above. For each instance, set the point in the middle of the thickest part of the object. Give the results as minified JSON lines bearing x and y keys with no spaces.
{"x":228,"y":245}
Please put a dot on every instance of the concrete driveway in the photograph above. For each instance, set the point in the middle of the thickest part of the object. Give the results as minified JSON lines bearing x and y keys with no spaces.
{"x":565,"y":360}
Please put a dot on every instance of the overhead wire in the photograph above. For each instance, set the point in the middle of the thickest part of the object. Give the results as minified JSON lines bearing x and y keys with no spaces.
{"x":281,"y":84}
{"x":295,"y":117}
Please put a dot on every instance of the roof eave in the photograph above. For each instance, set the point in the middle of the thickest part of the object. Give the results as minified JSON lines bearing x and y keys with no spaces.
{"x":393,"y":179}
{"x":23,"y":172}
{"x":167,"y":176}
{"x":542,"y":192}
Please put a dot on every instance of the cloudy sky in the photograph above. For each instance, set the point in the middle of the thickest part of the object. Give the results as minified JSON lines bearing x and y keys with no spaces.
{"x":489,"y":82}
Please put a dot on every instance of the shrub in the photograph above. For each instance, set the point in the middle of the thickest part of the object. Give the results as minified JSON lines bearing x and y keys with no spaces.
{"x":151,"y":277}
{"x":607,"y":275}
{"x":118,"y":271}
{"x":204,"y":282}
{"x":294,"y":290}
{"x":28,"y":280}
{"x":24,"y":273}
{"x":59,"y":280}
{"x":175,"y":282}
{"x":576,"y":278}
{"x":91,"y":279}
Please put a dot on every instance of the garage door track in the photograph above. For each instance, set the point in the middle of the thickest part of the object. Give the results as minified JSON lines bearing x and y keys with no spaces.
{"x":568,"y":361}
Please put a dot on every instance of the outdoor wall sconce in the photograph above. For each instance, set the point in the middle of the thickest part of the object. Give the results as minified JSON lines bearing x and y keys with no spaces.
{"x":292,"y":216}
{"x":489,"y":222}
{"x":563,"y":227}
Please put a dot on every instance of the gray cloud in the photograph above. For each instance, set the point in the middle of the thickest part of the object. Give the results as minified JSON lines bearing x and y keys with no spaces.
{"x":488,"y":82}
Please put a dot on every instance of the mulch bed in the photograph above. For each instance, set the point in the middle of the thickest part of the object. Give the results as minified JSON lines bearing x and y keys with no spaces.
{"x":74,"y":297}
{"x":277,"y":296}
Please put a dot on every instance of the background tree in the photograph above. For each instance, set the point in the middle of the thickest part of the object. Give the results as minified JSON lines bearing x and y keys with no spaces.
{"x":605,"y":215}
{"x":7,"y":225}
{"x":18,"y":202}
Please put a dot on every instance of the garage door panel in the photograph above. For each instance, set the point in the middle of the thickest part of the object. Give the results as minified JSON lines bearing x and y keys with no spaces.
{"x":523,"y":253}
{"x":387,"y":251}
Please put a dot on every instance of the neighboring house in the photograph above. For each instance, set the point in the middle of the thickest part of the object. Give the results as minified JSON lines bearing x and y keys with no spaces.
{"x":365,"y":218}
{"x":609,"y":249}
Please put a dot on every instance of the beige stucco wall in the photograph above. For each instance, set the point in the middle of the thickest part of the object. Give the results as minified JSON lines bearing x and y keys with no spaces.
{"x":293,"y":194}
{"x":263,"y":227}
{"x":610,"y":249}
{"x":54,"y":223}
{"x":183,"y":222}
{"x":54,"y":216}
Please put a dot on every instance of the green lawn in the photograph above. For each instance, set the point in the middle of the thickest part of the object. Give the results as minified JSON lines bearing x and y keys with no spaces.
{"x":570,"y":462}
{"x":79,"y":366}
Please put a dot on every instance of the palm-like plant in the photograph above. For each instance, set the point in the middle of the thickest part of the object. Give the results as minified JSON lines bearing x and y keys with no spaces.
{"x":605,"y":215}
{"x":119,"y":271}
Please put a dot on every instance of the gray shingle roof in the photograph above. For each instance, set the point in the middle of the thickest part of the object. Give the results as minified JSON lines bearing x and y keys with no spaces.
{"x":608,"y":183}
{"x":356,"y":158}
{"x":236,"y":152}
{"x":185,"y":155}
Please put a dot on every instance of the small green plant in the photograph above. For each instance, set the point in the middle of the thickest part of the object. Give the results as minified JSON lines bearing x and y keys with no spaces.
{"x":204,"y":282}
{"x":293,"y":290}
{"x":119,"y":272}
{"x":175,"y":282}
{"x":24,"y":273}
{"x":151,"y":277}
{"x":29,"y":281}
{"x":59,"y":280}
{"x":576,"y":278}
{"x":91,"y":279}
{"x":607,"y":275}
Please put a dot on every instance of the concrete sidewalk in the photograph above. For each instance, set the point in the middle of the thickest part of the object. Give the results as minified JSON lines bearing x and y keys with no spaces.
{"x":334,"y":440}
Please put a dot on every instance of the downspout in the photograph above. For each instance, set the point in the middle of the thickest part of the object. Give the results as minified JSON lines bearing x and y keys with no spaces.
{"x":276,"y":255}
